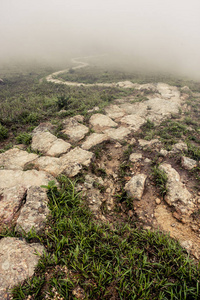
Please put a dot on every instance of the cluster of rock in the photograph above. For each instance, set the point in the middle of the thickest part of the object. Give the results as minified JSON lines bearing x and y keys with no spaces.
{"x":24,"y":204}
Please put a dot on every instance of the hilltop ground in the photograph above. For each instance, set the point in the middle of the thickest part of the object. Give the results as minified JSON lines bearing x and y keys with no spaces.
{"x":131,"y":143}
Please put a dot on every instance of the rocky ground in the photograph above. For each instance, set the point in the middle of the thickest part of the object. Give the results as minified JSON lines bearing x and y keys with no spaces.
{"x":108,"y":157}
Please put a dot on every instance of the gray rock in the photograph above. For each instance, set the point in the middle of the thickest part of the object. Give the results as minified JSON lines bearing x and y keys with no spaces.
{"x":44,"y":127}
{"x":118,"y":134}
{"x":49,"y":144}
{"x":10,"y":178}
{"x":11,"y":200}
{"x":93,"y":140}
{"x":164,"y":152}
{"x":100,"y":121}
{"x":135,"y":186}
{"x":177,"y":192}
{"x":15,"y":159}
{"x":145,"y":144}
{"x":34,"y":212}
{"x":179,"y":147}
{"x":74,"y":130}
{"x":188,"y":163}
{"x":17,"y":262}
{"x":94,"y":199}
{"x":133,"y":121}
{"x":134,"y":157}
{"x":73,"y":161}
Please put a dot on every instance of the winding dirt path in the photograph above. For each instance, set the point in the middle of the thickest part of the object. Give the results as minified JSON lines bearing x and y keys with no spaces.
{"x":81,"y":64}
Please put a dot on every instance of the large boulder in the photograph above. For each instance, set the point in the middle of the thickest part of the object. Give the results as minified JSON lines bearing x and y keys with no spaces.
{"x":17,"y":262}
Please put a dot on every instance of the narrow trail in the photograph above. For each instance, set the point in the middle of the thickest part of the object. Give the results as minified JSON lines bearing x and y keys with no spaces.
{"x":81,"y":64}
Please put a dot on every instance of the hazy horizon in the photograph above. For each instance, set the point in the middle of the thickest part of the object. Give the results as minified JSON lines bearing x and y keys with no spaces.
{"x":162,"y":35}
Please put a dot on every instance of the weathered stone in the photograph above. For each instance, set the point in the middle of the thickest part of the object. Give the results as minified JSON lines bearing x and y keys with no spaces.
{"x":10,"y":178}
{"x":72,"y":161}
{"x":114,"y":111}
{"x":79,"y":118}
{"x":125,"y":84}
{"x":34,"y":212}
{"x":94,"y":199}
{"x":177,"y":192}
{"x":15,"y":159}
{"x":93,"y":140}
{"x":43,"y":127}
{"x":164,"y":152}
{"x":49,"y":144}
{"x":179,"y":147}
{"x":118,"y":134}
{"x":58,"y":147}
{"x":158,"y":201}
{"x":135,"y":187}
{"x":74,"y":130}
{"x":48,"y":164}
{"x":135,"y":157}
{"x":11,"y":200}
{"x":185,"y":89}
{"x":188,"y":163}
{"x":145,"y":144}
{"x":133,"y":121}
{"x":17,"y":262}
{"x":101,"y":121}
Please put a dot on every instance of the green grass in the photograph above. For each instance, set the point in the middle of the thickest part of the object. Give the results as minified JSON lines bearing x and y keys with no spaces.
{"x":124,"y":262}
{"x":160,"y":179}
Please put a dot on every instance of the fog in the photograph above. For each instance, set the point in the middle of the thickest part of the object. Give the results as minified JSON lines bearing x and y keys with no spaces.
{"x":157,"y":34}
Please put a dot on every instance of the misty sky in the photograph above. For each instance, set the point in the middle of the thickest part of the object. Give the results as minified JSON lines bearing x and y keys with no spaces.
{"x":165,"y":33}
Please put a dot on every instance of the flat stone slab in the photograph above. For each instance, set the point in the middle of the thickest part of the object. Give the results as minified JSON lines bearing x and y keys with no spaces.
{"x":11,"y":200}
{"x":10,"y":178}
{"x":177,"y":192}
{"x":118,"y":134}
{"x":73,"y":161}
{"x":74,"y":130}
{"x":135,"y":186}
{"x":48,"y":164}
{"x":15,"y":159}
{"x":93,"y":140}
{"x":114,"y":111}
{"x":18,"y":260}
{"x":133,"y":121}
{"x":49,"y":144}
{"x":100,"y":121}
{"x":188,"y":163}
{"x":134,"y":157}
{"x":34,"y":212}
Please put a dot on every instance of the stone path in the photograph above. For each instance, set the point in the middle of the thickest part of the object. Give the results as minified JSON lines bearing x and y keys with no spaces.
{"x":23,"y":203}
